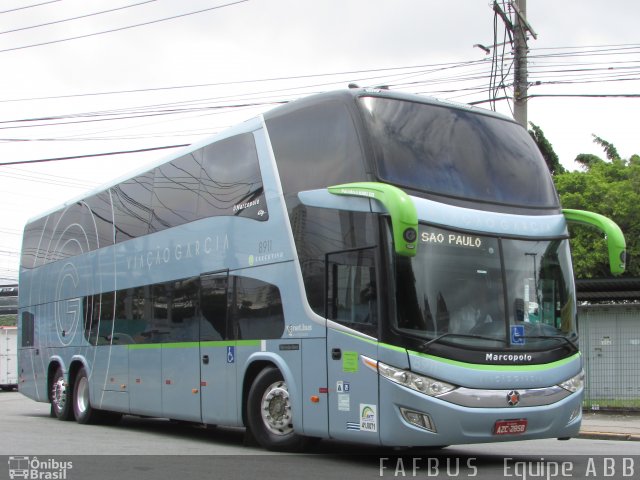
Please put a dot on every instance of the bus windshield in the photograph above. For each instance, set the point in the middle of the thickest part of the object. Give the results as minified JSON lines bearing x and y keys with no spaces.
{"x":457,"y":153}
{"x":486,"y":292}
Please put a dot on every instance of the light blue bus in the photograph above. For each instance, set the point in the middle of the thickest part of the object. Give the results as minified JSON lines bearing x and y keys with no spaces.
{"x":360,"y":265}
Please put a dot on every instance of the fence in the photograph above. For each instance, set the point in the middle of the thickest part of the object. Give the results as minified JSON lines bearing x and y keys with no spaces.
{"x":610,"y":343}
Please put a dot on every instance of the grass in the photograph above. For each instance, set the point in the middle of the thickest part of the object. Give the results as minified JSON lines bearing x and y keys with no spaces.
{"x":620,"y":404}
{"x":8,"y":320}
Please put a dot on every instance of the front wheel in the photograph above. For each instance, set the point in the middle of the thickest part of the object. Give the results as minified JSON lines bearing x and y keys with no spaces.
{"x":269,"y":413}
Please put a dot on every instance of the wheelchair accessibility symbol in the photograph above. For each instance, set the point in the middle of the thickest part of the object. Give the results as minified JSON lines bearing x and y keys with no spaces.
{"x":517,"y":335}
{"x":231,"y":354}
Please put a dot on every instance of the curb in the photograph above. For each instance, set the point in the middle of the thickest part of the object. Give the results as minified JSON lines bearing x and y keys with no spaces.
{"x":609,"y":436}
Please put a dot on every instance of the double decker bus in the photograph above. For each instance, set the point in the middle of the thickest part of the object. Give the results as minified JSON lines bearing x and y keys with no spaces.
{"x":360,"y":265}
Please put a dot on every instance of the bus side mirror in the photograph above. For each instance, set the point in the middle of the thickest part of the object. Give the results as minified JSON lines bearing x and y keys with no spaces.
{"x":404,"y":217}
{"x":615,"y":238}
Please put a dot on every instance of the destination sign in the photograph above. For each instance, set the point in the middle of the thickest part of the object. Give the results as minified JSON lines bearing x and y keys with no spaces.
{"x":451,"y":239}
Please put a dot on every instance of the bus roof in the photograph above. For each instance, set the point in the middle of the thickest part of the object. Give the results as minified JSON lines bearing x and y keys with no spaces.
{"x":351,"y":94}
{"x":344,"y":96}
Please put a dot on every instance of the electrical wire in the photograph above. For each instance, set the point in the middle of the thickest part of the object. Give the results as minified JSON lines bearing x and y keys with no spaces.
{"x":76,"y":157}
{"x":29,"y":6}
{"x":75,"y":18}
{"x":120,"y":29}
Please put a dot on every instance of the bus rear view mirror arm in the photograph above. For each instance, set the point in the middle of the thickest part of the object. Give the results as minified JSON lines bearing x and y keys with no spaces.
{"x":404,"y":217}
{"x":615,"y":238}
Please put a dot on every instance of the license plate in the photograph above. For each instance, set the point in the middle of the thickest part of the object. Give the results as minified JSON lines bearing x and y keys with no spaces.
{"x":510,"y":427}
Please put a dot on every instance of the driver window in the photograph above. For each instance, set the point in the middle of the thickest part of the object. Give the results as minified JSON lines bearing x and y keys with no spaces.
{"x":352,"y":297}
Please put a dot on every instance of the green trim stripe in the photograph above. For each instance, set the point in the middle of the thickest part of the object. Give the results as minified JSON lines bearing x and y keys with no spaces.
{"x":471,"y":366}
{"x":498,"y":368}
{"x":228,"y":343}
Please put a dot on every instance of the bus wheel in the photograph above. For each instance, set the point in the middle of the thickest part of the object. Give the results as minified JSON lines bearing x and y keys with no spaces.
{"x":269,"y":412}
{"x":82,"y":409}
{"x":61,"y":397}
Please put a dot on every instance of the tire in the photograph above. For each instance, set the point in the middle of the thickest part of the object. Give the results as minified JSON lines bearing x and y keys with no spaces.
{"x":82,"y":409}
{"x":269,"y":414}
{"x":61,"y":396}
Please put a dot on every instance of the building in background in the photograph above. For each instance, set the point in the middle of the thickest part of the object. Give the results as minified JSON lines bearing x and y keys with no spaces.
{"x":8,"y":358}
{"x":8,"y":305}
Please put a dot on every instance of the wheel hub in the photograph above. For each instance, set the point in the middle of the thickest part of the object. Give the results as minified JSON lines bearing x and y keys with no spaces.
{"x":59,"y":394}
{"x":276,"y":409}
{"x":82,"y":395}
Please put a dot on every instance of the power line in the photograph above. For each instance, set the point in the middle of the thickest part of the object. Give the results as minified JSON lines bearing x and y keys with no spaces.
{"x":587,"y":95}
{"x":29,"y":6}
{"x":466,"y":72}
{"x":121,"y":28}
{"x":174,"y":111}
{"x":75,"y":18}
{"x":437,"y":66}
{"x":76,"y":157}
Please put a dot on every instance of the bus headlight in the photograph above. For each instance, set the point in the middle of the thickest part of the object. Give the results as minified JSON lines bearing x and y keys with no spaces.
{"x":574,"y":383}
{"x":419,"y":383}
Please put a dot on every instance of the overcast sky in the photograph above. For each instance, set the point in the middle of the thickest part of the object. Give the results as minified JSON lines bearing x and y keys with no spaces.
{"x":135,"y":78}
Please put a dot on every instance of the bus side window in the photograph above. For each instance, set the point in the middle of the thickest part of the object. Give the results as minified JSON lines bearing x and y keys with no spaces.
{"x":231,"y":182}
{"x":131,"y":206}
{"x":183,"y":313}
{"x":28,"y":329}
{"x":91,"y":309}
{"x":176,"y":188}
{"x":105,"y":315}
{"x":213,"y":307}
{"x":256,"y":309}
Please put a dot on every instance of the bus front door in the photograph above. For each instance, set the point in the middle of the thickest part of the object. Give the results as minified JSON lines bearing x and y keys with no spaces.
{"x":352,"y":312}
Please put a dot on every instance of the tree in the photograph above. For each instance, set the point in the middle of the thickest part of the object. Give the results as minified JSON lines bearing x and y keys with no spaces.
{"x":549,"y":155}
{"x":611,"y":188}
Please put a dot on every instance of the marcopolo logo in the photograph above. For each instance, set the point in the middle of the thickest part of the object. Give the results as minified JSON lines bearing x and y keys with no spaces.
{"x":38,"y":469}
{"x":508,"y":357}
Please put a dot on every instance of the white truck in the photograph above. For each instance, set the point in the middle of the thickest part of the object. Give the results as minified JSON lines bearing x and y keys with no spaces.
{"x":8,"y":358}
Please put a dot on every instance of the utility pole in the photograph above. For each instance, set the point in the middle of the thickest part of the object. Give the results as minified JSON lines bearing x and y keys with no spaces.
{"x":519,"y":29}
{"x":520,"y":81}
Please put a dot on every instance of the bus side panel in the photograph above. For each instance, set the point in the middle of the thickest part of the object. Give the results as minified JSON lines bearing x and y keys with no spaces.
{"x":28,"y":360}
{"x":181,"y":382}
{"x":145,"y":380}
{"x":110,"y":378}
{"x":33,"y":361}
{"x":314,"y":373}
{"x":354,"y":410}
{"x":219,"y":390}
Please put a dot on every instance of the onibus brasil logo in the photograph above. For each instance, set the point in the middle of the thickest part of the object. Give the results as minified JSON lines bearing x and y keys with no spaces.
{"x":36,"y":469}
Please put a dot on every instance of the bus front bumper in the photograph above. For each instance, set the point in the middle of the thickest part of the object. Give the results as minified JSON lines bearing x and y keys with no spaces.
{"x":409,"y":419}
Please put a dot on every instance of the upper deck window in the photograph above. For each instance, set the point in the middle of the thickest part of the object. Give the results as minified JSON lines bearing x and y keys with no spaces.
{"x":457,"y":153}
{"x":315,"y":147}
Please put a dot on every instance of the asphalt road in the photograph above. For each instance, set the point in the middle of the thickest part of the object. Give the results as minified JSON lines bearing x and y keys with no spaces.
{"x":141,"y":448}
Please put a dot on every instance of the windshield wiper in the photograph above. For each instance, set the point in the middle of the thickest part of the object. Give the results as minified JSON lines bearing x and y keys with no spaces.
{"x":425,"y":345}
{"x":558,"y":337}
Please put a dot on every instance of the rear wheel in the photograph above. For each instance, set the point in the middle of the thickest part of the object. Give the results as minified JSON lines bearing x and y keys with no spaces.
{"x":82,"y":408}
{"x":61,"y":397}
{"x":269,"y":413}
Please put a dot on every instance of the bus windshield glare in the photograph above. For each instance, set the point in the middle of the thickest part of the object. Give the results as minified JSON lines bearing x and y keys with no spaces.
{"x":457,"y":153}
{"x":486,"y":292}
